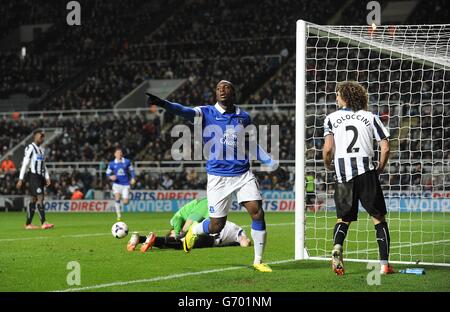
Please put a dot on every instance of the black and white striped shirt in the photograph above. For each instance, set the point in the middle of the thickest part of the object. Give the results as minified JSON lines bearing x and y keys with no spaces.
{"x":353,"y":137}
{"x":34,"y":158}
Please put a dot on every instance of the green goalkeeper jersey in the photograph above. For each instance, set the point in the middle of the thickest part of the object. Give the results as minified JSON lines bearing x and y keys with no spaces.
{"x":195,"y":210}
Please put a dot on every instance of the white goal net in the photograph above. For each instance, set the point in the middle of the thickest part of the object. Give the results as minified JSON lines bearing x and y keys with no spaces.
{"x":406,"y":70}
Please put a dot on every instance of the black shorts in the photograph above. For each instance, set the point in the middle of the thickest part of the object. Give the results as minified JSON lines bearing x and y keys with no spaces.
{"x":36,"y":184}
{"x":310,"y":198}
{"x":365,"y":188}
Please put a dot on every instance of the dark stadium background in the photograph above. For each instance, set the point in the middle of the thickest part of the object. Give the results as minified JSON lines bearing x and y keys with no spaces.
{"x":121,"y":44}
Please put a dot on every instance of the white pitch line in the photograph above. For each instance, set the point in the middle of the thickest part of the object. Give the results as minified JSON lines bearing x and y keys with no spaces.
{"x":22,"y":238}
{"x":175,"y":276}
{"x":163,"y":278}
{"x":401,"y":246}
{"x":104,"y":234}
{"x":62,"y":236}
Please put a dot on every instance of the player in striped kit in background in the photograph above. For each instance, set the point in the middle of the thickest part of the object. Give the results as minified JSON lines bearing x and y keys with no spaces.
{"x":38,"y":178}
{"x":349,"y":134}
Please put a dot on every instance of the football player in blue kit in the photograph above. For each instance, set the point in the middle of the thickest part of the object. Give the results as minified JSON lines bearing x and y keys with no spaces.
{"x":119,"y":172}
{"x":226,"y":175}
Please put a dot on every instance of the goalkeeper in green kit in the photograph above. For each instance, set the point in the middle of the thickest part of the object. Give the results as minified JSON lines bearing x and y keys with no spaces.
{"x":193,"y":212}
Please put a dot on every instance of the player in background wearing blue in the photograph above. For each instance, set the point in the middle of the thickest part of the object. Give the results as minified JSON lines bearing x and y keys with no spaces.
{"x":226,"y":175}
{"x":119,"y":172}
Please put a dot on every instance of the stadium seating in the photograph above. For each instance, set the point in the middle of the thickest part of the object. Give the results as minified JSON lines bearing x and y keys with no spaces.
{"x":203,"y":41}
{"x":64,"y":52}
{"x":178,"y":49}
{"x":23,"y":12}
{"x":94,"y":140}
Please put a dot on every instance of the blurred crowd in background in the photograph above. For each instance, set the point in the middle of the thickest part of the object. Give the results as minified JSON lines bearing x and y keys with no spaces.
{"x":251,"y":43}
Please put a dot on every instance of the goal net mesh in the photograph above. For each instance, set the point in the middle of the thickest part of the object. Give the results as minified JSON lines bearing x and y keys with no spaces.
{"x":406,"y":70}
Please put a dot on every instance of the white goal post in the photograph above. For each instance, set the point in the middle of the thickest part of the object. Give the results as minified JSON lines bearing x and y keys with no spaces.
{"x":406,"y":70}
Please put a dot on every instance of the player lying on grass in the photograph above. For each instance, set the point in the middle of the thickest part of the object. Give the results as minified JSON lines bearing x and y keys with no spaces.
{"x":228,"y":171}
{"x":349,"y":134}
{"x":231,"y":235}
{"x":191,"y":213}
{"x":194,"y":211}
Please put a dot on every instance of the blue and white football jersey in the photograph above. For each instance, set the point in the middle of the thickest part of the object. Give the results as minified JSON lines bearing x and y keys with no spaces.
{"x":225,"y":162}
{"x":122,"y":170}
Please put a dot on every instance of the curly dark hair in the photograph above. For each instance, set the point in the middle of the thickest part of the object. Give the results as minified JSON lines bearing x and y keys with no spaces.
{"x":354,"y":94}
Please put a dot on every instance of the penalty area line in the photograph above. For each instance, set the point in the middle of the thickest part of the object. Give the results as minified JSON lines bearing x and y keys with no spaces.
{"x":400,"y":246}
{"x":164,"y":278}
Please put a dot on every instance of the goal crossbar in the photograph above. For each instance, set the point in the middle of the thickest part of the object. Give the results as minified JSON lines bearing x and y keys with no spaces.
{"x":440,"y":58}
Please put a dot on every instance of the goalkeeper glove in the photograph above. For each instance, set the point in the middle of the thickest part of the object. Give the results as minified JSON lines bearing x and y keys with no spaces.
{"x":153,"y":99}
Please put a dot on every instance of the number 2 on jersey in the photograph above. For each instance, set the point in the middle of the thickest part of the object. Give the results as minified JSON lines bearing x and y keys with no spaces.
{"x":350,"y":148}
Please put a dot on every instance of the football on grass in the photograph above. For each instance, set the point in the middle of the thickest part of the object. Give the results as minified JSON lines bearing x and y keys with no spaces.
{"x":119,"y":230}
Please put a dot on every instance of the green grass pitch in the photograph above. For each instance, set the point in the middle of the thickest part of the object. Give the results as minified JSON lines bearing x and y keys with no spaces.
{"x":37,"y":260}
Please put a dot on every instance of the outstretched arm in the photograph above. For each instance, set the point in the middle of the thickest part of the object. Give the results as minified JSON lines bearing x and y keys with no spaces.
{"x":175,"y":108}
{"x":261,"y":154}
{"x":266,"y":159}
